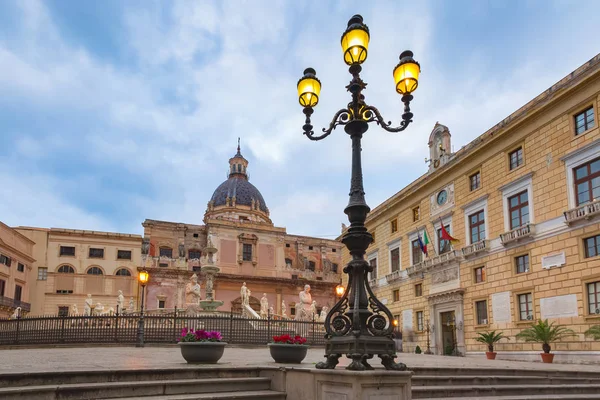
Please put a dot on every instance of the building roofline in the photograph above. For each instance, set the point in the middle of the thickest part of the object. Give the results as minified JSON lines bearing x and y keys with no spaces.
{"x":14,"y":230}
{"x":586,"y":71}
{"x":72,"y":232}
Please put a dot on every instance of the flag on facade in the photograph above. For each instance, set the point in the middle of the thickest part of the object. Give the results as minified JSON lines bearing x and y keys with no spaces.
{"x":423,"y":243}
{"x":445,"y":235}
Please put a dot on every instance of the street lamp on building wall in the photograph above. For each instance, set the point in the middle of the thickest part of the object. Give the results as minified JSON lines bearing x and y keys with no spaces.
{"x":359,"y":325}
{"x":143,"y":277}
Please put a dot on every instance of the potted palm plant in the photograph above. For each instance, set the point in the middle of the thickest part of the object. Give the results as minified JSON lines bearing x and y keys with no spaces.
{"x":288,"y":349}
{"x":545,"y":333}
{"x":490,"y":338}
{"x":200,"y":346}
{"x":594,"y":332}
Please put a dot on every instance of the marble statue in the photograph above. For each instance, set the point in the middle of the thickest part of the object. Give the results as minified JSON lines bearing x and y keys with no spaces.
{"x":145,"y":245}
{"x":16,"y":314}
{"x":304,"y":307}
{"x":283,"y":309}
{"x":87,"y":308}
{"x":192,"y":291}
{"x":209,"y":285}
{"x":120,"y":301}
{"x":75,"y":310}
{"x":313,"y":308}
{"x":271,"y":311}
{"x":264,"y":306}
{"x":324,"y":312}
{"x":181,"y":250}
{"x":131,"y":307}
{"x":245,"y":295}
{"x":99,"y":309}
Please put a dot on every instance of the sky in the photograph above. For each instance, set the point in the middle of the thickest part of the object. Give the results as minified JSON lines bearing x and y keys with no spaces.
{"x":113,"y":111}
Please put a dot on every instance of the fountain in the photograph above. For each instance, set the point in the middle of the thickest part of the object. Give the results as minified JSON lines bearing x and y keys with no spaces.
{"x":210,"y":270}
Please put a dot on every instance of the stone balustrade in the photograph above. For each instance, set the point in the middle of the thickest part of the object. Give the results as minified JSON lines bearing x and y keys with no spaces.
{"x":433,"y":262}
{"x":477,"y":247}
{"x":516,"y":234}
{"x":394,"y":276}
{"x":584,"y":211}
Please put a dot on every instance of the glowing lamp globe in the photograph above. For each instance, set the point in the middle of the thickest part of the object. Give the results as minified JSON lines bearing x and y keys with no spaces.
{"x":406,"y":73}
{"x":355,"y":41}
{"x":309,"y":88}
{"x":143,"y":277}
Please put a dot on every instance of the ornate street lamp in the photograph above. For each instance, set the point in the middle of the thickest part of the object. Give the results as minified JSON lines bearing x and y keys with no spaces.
{"x":359,"y":325}
{"x":143,"y":277}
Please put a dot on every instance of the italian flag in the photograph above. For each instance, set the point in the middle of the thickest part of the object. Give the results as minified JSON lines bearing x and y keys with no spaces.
{"x":423,"y":243}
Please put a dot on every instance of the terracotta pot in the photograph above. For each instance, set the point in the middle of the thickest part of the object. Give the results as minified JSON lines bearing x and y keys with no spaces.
{"x":490,"y":355}
{"x":288,"y":353}
{"x":547,"y":357}
{"x":202,"y":352}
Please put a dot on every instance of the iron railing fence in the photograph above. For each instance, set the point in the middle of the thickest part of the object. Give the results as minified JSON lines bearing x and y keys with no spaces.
{"x":166,"y":328}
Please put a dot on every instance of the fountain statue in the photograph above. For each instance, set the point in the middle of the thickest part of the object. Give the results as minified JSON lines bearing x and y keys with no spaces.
{"x":264,"y":306}
{"x":283,"y":309}
{"x":210,"y":271}
{"x":120,"y":302}
{"x":304,"y":312}
{"x":87,"y":308}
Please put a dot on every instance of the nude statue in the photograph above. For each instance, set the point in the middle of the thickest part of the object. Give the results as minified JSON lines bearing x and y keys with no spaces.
{"x":304,"y":307}
{"x":264,"y":306}
{"x":192,"y":291}
{"x":283,"y":309}
{"x":244,"y":294}
{"x":120,"y":301}
{"x":87,"y":308}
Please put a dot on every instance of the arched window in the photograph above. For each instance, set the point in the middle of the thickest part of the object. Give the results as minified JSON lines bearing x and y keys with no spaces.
{"x":66,"y":269}
{"x":94,"y":271}
{"x":122,"y":272}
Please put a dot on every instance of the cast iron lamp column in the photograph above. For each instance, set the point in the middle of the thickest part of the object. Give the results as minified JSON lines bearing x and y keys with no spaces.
{"x":143,"y":278}
{"x":359,"y":325}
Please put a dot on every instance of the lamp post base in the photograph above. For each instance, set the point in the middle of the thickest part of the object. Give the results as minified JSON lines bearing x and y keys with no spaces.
{"x":140,"y":333}
{"x":360,"y":349}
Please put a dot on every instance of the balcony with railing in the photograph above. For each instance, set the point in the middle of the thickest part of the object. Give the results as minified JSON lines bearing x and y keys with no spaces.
{"x":584,"y":211}
{"x":433,"y":262}
{"x":475,"y":248}
{"x":13,"y":304}
{"x":394,"y":276}
{"x":373,"y":283}
{"x":522,"y":232}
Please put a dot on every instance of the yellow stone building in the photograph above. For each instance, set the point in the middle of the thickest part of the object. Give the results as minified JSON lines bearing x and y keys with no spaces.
{"x":71,"y":263}
{"x":523,"y":200}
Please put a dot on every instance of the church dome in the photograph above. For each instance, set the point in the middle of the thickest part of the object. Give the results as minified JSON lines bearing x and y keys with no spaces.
{"x":243,"y":191}
{"x":237,"y":189}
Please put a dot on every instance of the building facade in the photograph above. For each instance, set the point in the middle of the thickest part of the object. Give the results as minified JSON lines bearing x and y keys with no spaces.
{"x":72,"y":264}
{"x":16,"y":259}
{"x":250,"y":248}
{"x":523,"y":202}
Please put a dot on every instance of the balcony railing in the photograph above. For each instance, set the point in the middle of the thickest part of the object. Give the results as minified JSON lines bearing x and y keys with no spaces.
{"x":373,"y":283}
{"x":584,"y":211}
{"x":434,"y":262}
{"x":477,"y":247}
{"x":12,"y":303}
{"x":516,"y":234}
{"x":394,"y":276}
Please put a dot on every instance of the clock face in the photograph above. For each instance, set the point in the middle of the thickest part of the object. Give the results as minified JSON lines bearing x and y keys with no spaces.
{"x":442,"y":197}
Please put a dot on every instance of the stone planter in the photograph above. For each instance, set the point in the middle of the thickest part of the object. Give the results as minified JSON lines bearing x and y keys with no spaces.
{"x":547,"y":357}
{"x":288,"y":353}
{"x":490,"y":355}
{"x":202,"y":352}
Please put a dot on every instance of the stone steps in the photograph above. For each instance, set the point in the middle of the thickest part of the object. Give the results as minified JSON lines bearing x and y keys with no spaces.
{"x":432,"y":380}
{"x":97,"y":376}
{"x":143,"y":388}
{"x":504,"y":384}
{"x":462,"y":391}
{"x":534,"y":397}
{"x":256,"y":395}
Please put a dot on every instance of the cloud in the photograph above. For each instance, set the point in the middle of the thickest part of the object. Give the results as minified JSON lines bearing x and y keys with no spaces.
{"x":146,"y":133}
